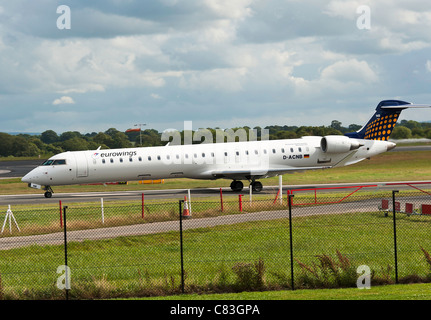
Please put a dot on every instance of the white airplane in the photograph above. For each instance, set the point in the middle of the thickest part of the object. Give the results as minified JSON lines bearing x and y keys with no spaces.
{"x":250,"y":160}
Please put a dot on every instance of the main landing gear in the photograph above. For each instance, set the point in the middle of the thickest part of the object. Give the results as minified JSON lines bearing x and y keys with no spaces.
{"x":48,"y":191}
{"x":237,"y":186}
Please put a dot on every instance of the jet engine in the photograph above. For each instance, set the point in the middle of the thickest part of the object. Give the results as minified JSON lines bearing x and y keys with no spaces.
{"x":338,"y":144}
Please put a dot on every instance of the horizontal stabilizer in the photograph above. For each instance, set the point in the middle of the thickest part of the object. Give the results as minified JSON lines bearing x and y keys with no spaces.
{"x":407,"y":106}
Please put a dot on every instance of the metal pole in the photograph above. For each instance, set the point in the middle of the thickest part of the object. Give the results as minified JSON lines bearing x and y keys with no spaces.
{"x":65,"y":250}
{"x":142,"y":209}
{"x":181,"y":245}
{"x":395,"y":236}
{"x":280,"y":188}
{"x":221,"y":199}
{"x":61,"y":215}
{"x":290,"y":196}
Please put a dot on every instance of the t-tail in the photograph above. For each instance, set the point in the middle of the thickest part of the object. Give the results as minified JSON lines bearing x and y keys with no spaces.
{"x":381,"y":124}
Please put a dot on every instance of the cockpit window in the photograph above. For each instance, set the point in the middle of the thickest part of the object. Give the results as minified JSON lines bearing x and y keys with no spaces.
{"x":54,"y":162}
{"x":58,"y":162}
{"x":47,"y":162}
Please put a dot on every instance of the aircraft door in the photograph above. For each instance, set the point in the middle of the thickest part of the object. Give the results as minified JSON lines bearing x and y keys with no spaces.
{"x":81,"y":165}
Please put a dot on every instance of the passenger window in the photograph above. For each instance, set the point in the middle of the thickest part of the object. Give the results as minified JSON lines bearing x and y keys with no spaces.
{"x":282,"y":150}
{"x":130,"y":159}
{"x":111,"y":160}
{"x":300,"y":150}
{"x":273,"y":150}
{"x":103,"y":161}
{"x":158,"y":158}
{"x":121,"y":160}
{"x":140,"y":158}
{"x":149,"y":158}
{"x":291,"y":149}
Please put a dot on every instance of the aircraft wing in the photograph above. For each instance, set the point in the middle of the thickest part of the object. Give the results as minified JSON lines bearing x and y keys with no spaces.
{"x":259,"y":173}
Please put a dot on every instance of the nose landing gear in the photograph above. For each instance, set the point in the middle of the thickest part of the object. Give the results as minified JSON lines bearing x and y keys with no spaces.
{"x":48,"y":192}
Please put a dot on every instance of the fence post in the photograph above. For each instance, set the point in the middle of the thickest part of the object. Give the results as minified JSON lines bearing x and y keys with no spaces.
{"x":221,"y":200}
{"x":181,"y":244}
{"x":290,"y":196}
{"x":240,"y":202}
{"x":61,"y":214}
{"x":142,"y":202}
{"x":65,"y":251}
{"x":103,"y":210}
{"x":395,"y":235}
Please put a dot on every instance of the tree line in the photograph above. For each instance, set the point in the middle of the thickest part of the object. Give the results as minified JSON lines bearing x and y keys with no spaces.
{"x":49,"y":142}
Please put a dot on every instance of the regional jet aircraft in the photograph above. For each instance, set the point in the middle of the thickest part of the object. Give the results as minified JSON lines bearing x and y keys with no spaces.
{"x":249,"y":160}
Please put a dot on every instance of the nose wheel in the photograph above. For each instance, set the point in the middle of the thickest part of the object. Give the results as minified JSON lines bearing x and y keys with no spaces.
{"x":48,"y":192}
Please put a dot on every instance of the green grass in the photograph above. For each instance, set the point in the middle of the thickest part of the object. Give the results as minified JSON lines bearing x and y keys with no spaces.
{"x":416,"y":291}
{"x":150,"y":264}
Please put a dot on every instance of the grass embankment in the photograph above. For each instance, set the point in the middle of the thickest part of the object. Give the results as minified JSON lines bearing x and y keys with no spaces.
{"x":241,"y":257}
{"x":391,"y":166}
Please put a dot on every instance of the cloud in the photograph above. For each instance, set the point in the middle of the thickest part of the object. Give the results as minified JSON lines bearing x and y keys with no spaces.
{"x":210,"y":61}
{"x":63,"y":100}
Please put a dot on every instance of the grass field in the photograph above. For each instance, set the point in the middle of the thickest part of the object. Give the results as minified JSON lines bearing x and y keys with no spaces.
{"x":416,"y":291}
{"x":390,"y":166}
{"x":239,"y":257}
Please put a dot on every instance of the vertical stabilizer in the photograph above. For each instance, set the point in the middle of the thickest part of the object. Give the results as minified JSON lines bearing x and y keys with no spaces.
{"x":381,"y":124}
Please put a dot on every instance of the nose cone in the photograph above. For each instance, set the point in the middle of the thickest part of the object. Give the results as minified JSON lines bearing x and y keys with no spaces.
{"x":26,"y":178}
{"x":31,"y":176}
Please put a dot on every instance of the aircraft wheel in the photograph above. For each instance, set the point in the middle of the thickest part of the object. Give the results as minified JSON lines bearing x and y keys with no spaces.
{"x":236,"y":186}
{"x":48,"y":194}
{"x":257,"y":186}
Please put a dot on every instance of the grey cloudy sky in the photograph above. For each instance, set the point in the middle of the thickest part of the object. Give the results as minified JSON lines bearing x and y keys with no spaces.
{"x":219,"y":63}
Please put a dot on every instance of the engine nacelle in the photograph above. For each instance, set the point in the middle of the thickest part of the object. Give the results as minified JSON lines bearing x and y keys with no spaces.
{"x":338,"y":144}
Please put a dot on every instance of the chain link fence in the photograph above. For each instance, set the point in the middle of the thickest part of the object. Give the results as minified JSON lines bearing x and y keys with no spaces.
{"x":324,"y":238}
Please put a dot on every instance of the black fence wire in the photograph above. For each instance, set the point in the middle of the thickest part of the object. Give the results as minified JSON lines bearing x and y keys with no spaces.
{"x":305,"y":240}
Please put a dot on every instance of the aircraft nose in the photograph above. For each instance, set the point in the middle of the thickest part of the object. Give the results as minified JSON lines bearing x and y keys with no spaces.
{"x":26,"y":178}
{"x":30,"y":177}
